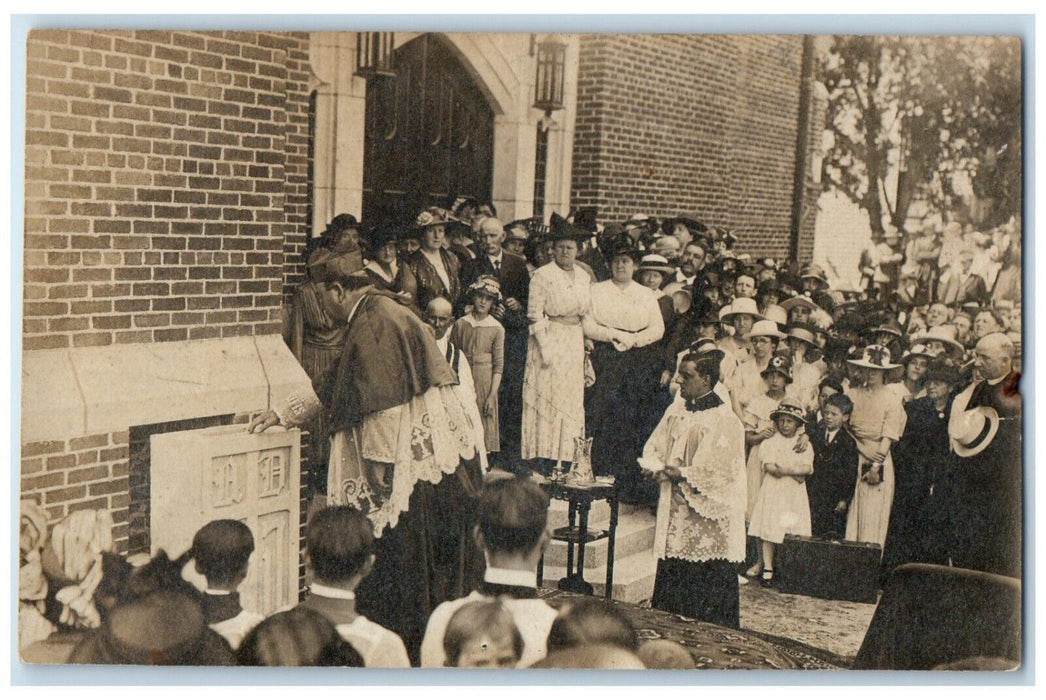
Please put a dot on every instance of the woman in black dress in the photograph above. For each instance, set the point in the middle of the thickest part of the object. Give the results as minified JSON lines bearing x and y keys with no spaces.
{"x":920,"y":523}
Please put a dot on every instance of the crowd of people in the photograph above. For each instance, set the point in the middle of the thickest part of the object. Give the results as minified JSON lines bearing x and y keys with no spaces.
{"x":455,"y":357}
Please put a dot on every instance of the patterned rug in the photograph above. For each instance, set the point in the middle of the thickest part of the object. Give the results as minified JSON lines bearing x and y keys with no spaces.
{"x":716,"y":647}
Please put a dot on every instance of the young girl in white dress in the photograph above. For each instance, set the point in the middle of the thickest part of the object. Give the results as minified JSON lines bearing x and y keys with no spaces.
{"x":782,"y":507}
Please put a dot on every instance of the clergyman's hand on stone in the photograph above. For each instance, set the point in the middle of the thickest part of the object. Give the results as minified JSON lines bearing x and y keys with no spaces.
{"x":263,"y":422}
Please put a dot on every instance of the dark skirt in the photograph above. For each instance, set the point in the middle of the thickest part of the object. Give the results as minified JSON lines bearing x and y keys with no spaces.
{"x":706,"y":591}
{"x":427,"y":559}
{"x":617,"y":409}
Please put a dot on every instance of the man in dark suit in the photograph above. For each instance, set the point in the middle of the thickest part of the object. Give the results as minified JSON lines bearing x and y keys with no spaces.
{"x":511,"y":271}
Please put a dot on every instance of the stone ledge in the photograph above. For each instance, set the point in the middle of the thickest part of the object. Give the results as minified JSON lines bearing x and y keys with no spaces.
{"x":81,"y":391}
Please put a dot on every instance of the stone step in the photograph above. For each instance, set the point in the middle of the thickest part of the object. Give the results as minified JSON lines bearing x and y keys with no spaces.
{"x":598,"y":514}
{"x":633,"y":577}
{"x":635,"y":533}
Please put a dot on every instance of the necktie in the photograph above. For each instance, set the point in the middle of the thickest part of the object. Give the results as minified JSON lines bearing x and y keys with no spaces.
{"x":497,"y":266}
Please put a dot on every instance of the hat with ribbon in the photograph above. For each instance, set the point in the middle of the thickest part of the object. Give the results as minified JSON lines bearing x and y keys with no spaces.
{"x":971,"y":431}
{"x":789,"y":408}
{"x":486,"y":284}
{"x":433,"y":216}
{"x":874,"y":357}
{"x":917,"y":350}
{"x":656,"y":263}
{"x":780,"y":363}
{"x":706,"y":347}
{"x":803,"y":332}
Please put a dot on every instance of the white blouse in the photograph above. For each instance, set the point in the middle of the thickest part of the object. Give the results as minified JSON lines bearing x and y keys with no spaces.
{"x":633,"y":308}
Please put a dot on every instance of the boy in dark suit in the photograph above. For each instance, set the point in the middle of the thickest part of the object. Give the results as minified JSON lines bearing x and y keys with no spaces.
{"x":831,"y":487}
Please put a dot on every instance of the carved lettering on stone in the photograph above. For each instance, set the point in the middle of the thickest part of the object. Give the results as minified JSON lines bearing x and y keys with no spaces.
{"x":272,"y":472}
{"x":228,"y":480}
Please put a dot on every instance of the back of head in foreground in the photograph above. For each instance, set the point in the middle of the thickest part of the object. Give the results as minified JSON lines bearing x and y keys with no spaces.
{"x":339,"y":543}
{"x":513,"y":516}
{"x":297,"y":637}
{"x":596,"y":656}
{"x":590,"y":621}
{"x":482,"y":634}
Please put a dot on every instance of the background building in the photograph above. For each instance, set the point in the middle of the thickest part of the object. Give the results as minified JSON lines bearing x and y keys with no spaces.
{"x":172,"y":179}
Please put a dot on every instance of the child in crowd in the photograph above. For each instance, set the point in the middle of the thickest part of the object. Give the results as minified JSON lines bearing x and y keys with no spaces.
{"x":831,"y":488}
{"x":758,"y":421}
{"x":482,"y":339}
{"x":482,"y":634}
{"x":513,"y":533}
{"x":296,"y":637}
{"x":221,"y":550}
{"x":339,"y":553}
{"x":782,"y":507}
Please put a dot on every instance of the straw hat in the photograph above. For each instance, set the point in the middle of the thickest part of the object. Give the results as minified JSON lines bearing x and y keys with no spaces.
{"x":799,"y":300}
{"x":789,"y":407}
{"x":874,"y":357}
{"x":741,"y":305}
{"x":706,"y":347}
{"x":803,"y":332}
{"x":777,"y":314}
{"x":945,"y":333}
{"x":813,"y":271}
{"x":973,"y":430}
{"x":486,"y":284}
{"x":433,"y":216}
{"x":765,"y":328}
{"x":655,"y":263}
{"x":917,"y":350}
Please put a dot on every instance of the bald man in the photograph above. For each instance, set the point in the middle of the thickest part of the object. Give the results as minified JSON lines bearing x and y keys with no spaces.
{"x":988,"y":483}
{"x":511,"y":271}
{"x":440,"y":316}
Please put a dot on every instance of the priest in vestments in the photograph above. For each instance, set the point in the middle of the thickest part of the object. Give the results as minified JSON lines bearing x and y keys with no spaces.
{"x":403,"y":451}
{"x":698,"y":453}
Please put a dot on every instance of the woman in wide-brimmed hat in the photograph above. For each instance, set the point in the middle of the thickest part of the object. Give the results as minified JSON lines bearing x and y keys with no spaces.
{"x":924,"y":467}
{"x":877,"y":422}
{"x":748,"y":383}
{"x":942,"y":341}
{"x":431,"y":271}
{"x":622,"y":407}
{"x":560,"y":314}
{"x":808,"y":367}
{"x":741,"y":314}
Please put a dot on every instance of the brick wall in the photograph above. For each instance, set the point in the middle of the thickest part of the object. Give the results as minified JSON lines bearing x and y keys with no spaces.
{"x":708,"y":123}
{"x":165,"y":183}
{"x":84,"y":472}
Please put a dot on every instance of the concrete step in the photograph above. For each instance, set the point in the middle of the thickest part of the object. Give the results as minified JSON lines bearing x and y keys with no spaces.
{"x":633,"y":577}
{"x":635,"y":533}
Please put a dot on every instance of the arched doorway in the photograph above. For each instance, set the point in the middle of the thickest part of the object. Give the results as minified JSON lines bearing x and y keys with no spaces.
{"x":429,"y":134}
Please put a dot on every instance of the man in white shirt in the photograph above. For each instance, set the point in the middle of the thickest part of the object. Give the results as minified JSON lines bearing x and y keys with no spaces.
{"x":513,"y":533}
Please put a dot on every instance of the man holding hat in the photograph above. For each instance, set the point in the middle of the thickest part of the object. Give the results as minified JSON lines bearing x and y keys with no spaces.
{"x":985,"y":432}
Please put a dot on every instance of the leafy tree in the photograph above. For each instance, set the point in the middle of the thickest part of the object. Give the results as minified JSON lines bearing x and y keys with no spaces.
{"x":915,"y":117}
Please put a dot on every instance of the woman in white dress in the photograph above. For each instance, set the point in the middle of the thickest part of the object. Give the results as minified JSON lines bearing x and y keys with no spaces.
{"x":560,"y":313}
{"x":877,"y":422}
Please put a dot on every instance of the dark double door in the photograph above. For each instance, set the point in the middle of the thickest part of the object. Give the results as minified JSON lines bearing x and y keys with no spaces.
{"x":429,"y":134}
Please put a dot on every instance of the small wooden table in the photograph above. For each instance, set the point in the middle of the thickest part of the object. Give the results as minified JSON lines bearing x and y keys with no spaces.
{"x":580,"y":497}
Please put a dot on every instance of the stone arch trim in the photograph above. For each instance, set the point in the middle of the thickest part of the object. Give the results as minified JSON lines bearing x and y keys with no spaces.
{"x":492,"y":71}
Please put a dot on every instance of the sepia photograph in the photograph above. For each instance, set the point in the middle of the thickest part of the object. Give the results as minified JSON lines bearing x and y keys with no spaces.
{"x":520,"y":350}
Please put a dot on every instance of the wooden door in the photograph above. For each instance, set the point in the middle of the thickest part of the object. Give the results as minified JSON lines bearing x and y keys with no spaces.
{"x":429,"y":134}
